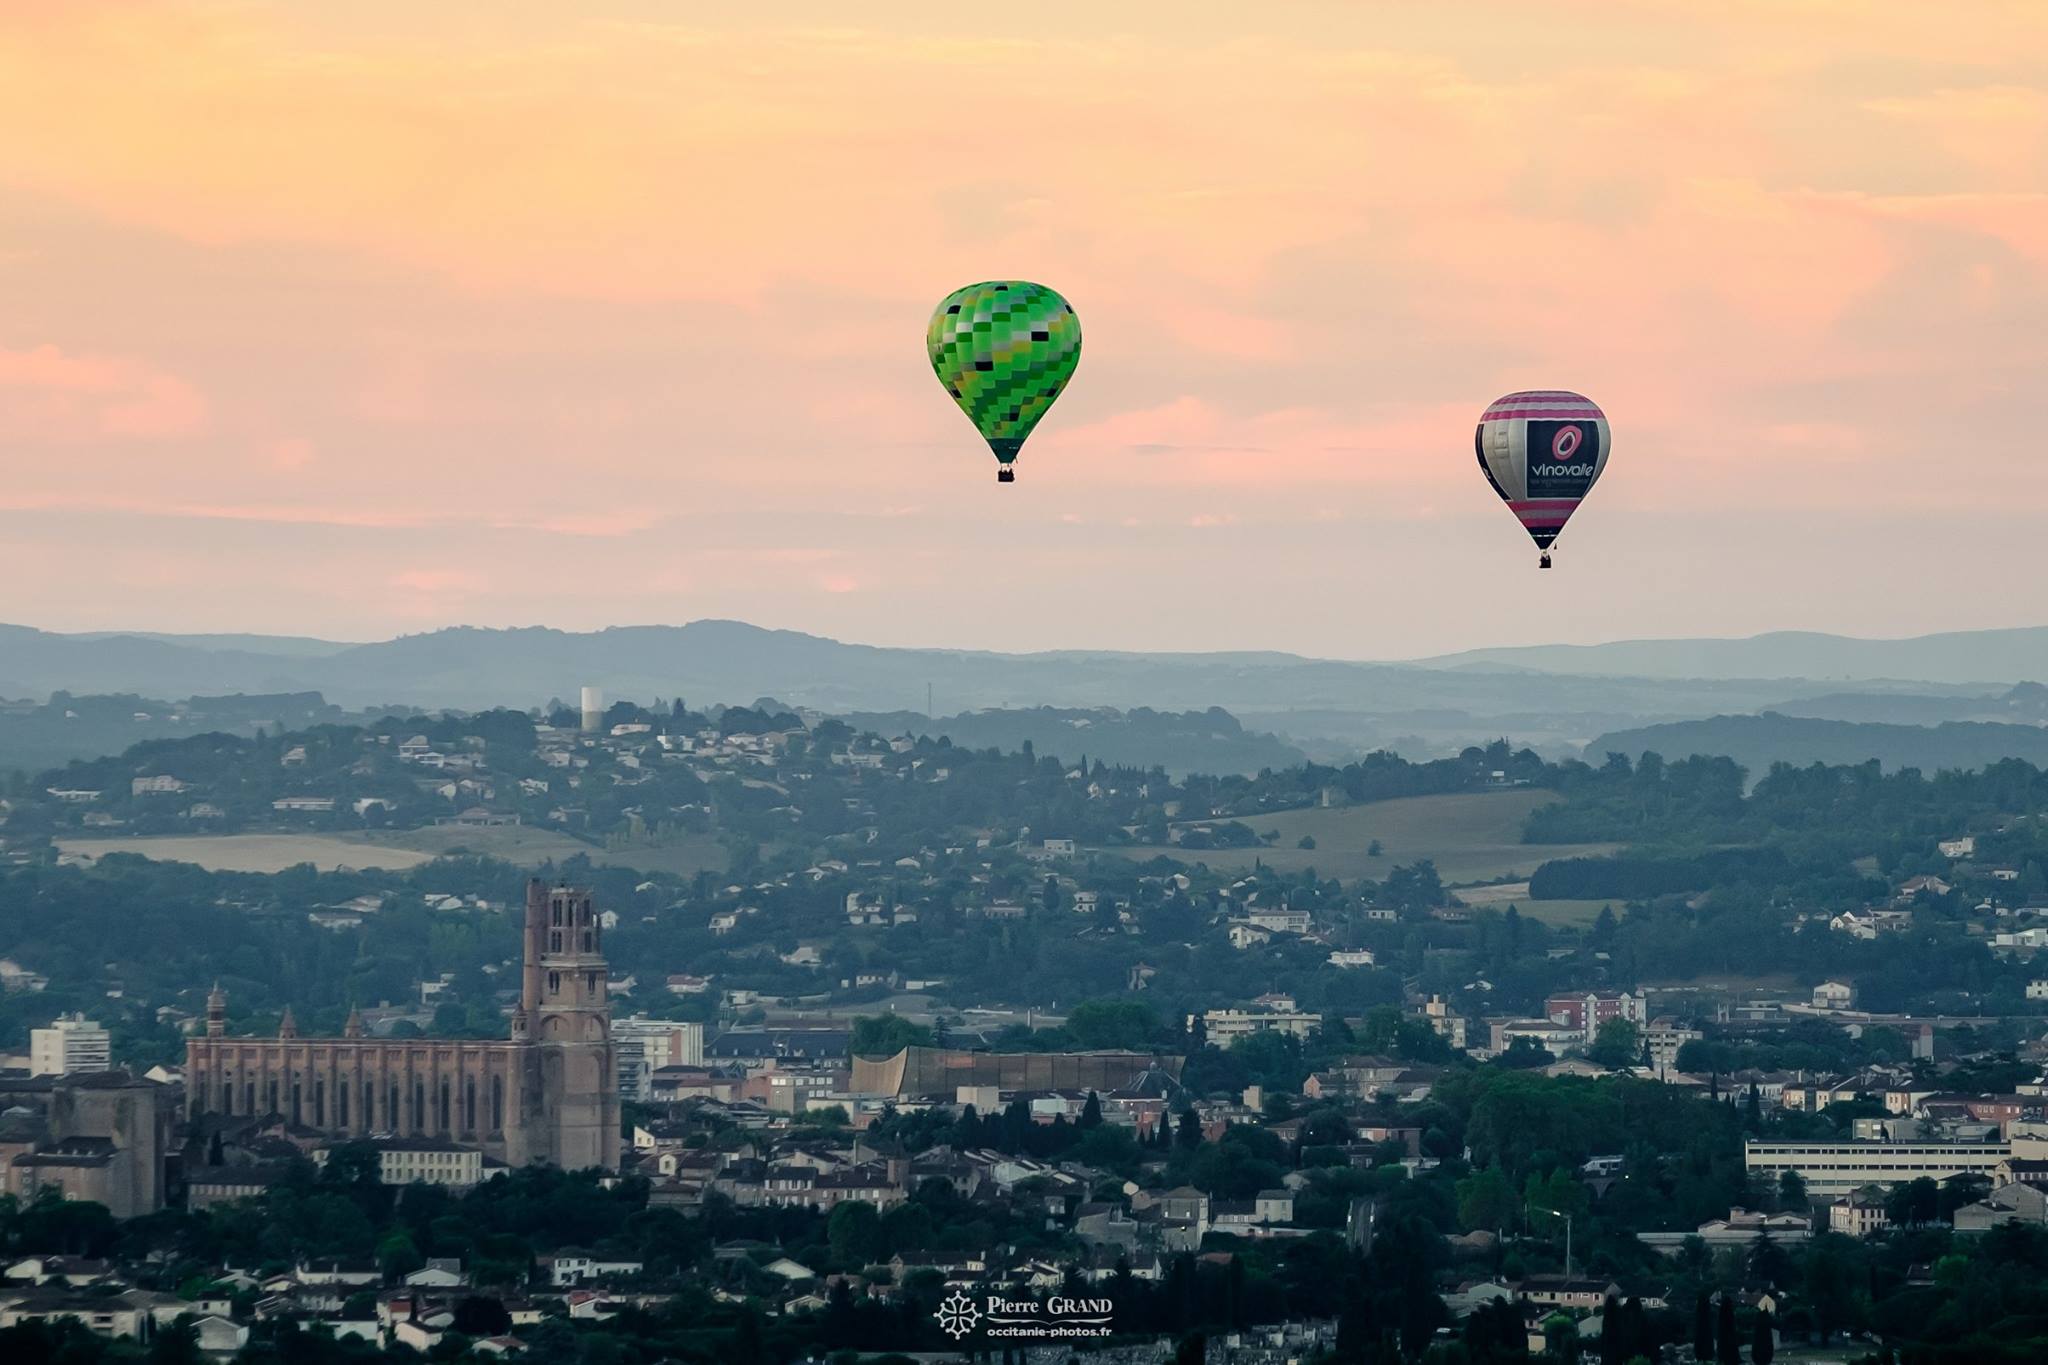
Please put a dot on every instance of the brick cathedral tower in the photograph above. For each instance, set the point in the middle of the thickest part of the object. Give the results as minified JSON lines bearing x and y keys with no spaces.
{"x":565,"y":1018}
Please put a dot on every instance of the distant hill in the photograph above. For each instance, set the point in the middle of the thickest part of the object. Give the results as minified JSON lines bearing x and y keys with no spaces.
{"x":1332,"y":708}
{"x":1182,"y":742}
{"x":1980,"y":656}
{"x":1756,"y":742}
{"x":2026,"y":704}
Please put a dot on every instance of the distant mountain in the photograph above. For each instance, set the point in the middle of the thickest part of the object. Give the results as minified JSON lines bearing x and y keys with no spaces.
{"x":1332,"y":708}
{"x":37,"y":663}
{"x":285,"y":646}
{"x":1756,"y":742}
{"x":1976,"y":656}
{"x":2026,"y":704}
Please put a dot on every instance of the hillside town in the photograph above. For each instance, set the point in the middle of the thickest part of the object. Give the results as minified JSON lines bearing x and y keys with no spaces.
{"x":871,"y":1026}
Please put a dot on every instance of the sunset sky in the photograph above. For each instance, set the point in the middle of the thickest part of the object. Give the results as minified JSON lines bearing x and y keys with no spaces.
{"x":358,"y":319}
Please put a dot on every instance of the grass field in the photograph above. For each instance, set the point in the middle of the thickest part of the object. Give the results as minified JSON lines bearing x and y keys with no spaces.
{"x":1473,"y":836}
{"x":397,"y":850}
{"x":1558,"y":914}
{"x":251,"y":852}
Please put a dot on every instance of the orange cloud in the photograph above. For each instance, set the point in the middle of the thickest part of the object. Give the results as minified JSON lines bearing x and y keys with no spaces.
{"x":50,"y":394}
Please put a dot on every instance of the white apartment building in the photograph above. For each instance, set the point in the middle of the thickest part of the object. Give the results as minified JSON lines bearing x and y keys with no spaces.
{"x":71,"y":1044}
{"x":643,"y":1046}
{"x":1834,"y":1169}
{"x":1223,"y":1025}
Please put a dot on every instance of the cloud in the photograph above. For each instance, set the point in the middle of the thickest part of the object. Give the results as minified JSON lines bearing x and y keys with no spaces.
{"x":402,"y":288}
{"x":49,"y":394}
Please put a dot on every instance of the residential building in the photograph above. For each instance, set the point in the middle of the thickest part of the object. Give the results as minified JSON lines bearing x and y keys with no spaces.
{"x":1858,"y":1215}
{"x":1224,"y":1025}
{"x":2009,"y":1203}
{"x":1834,"y":995}
{"x":425,"y":1161}
{"x":1841,"y":1168}
{"x":646,"y":1045}
{"x":71,"y":1044}
{"x":1588,"y":1011}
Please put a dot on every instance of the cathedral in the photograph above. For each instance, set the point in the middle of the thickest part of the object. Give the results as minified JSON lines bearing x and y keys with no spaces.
{"x":548,"y":1093}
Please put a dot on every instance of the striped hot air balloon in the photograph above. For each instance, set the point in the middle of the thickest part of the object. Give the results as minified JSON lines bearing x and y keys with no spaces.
{"x":1542,"y":451}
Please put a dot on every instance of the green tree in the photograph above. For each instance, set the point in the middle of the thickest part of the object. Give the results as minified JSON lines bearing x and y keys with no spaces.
{"x":176,"y":1343}
{"x":1763,"y":1343}
{"x":1728,"y":1346}
{"x":1615,"y":1044}
{"x":854,"y":1231}
{"x":1113,"y":1024}
{"x":885,"y":1035}
{"x":1486,"y":1200}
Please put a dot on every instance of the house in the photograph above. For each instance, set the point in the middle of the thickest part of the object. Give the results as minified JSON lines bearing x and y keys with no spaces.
{"x":1351,"y":957}
{"x":220,"y":1337}
{"x":1957,"y":848}
{"x":1244,"y":934}
{"x":2012,"y":1203}
{"x":163,"y":784}
{"x":1471,"y":1295}
{"x":1564,"y":1291}
{"x":125,"y":1314}
{"x":1834,"y":995}
{"x":569,"y":1268}
{"x":1859,"y":1215}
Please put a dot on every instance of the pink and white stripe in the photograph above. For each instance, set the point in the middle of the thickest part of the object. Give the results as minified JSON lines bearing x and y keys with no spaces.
{"x":1543,"y":405}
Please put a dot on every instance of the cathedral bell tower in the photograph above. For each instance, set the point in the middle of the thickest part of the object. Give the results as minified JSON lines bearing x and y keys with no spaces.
{"x":566,"y":1013}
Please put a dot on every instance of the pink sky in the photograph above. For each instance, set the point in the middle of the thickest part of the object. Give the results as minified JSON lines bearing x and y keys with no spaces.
{"x":346,"y":320}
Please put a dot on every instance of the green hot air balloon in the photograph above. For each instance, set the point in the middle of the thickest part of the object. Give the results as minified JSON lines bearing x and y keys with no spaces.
{"x":1004,"y":349}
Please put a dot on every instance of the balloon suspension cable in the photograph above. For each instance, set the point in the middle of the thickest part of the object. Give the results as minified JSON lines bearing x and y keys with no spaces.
{"x":1544,"y":562}
{"x":1005,"y":474}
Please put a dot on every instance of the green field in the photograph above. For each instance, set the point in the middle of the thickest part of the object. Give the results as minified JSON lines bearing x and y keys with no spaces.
{"x":251,"y":852}
{"x":1560,"y":914}
{"x":397,"y":850}
{"x":1473,"y":836}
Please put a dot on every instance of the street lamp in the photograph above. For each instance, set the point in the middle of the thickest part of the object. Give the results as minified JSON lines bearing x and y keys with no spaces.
{"x":1567,"y":1235}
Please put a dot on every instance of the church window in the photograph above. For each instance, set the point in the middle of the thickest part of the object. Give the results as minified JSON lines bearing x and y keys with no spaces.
{"x":497,"y":1104}
{"x":555,"y":941}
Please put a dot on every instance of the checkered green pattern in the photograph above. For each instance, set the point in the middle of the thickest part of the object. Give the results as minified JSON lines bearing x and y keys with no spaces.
{"x":1004,"y":349}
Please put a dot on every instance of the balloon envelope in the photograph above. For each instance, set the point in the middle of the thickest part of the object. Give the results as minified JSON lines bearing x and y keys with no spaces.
{"x":1004,"y":349}
{"x":1542,"y":451}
